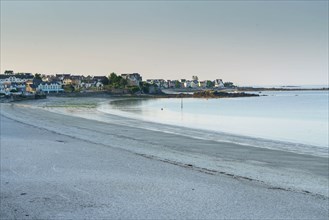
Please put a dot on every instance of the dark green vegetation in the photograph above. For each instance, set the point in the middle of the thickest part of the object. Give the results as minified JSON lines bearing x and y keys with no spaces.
{"x":68,"y":88}
{"x":118,"y":84}
{"x":205,"y":94}
{"x":217,"y":94}
{"x":115,"y":81}
{"x":37,"y":76}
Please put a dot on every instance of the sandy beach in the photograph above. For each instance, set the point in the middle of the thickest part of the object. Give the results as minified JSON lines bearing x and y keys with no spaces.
{"x":56,"y":166}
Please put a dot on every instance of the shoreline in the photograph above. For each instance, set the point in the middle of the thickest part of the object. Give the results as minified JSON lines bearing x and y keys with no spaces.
{"x":186,"y":93}
{"x":69,"y":167}
{"x":167,"y":112}
{"x":233,"y":155}
{"x":238,"y":92}
{"x":86,"y":107}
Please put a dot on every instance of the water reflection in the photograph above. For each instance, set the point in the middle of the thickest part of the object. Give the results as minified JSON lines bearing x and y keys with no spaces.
{"x":128,"y":102}
{"x":280,"y":115}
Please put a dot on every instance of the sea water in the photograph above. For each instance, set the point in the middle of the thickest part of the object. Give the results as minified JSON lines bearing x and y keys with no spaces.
{"x":298,"y":117}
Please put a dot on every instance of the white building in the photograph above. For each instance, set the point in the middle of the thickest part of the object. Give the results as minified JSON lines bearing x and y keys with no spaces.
{"x":161,"y":83}
{"x":203,"y":84}
{"x":219,"y":83}
{"x":50,"y":87}
{"x":194,"y":84}
{"x":187,"y":84}
{"x":15,"y":78}
{"x":99,"y":85}
{"x":133,"y":78}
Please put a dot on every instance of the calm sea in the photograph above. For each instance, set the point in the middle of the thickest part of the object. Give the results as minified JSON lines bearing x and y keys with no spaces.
{"x":296,"y":117}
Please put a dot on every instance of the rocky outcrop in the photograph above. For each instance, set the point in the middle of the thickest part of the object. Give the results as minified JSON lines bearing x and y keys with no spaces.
{"x":217,"y":94}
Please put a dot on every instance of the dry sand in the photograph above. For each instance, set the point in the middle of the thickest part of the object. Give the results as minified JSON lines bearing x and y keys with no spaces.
{"x":61,"y":167}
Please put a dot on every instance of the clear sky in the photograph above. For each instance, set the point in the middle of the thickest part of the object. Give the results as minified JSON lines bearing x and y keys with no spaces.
{"x":247,"y":42}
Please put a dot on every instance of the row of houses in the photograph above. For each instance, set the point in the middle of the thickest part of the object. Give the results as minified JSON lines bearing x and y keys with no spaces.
{"x":30,"y":86}
{"x":183,"y":83}
{"x":27,"y":82}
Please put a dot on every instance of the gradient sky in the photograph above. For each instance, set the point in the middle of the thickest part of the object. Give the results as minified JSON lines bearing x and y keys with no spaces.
{"x":247,"y":42}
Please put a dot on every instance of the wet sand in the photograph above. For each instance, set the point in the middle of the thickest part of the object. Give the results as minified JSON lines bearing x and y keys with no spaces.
{"x":58,"y":166}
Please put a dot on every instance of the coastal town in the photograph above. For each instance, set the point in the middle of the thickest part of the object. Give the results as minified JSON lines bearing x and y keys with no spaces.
{"x":128,"y":83}
{"x":22,"y":86}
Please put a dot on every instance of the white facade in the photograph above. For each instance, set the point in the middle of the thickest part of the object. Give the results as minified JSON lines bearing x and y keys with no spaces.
{"x":99,"y":85}
{"x":133,"y":79}
{"x":13,"y":79}
{"x":161,"y":83}
{"x":9,"y":82}
{"x":219,"y":83}
{"x":86,"y":85}
{"x":194,"y":84}
{"x":50,"y":87}
{"x":203,"y":84}
{"x":6,"y":87}
{"x":187,"y":84}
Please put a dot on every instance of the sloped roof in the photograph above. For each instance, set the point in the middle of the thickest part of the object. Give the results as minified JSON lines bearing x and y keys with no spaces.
{"x":37,"y":82}
{"x":49,"y":83}
{"x":99,"y":77}
{"x":2,"y":76}
{"x":25,"y":76}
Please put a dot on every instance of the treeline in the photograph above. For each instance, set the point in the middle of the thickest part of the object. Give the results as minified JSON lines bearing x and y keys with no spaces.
{"x":114,"y":81}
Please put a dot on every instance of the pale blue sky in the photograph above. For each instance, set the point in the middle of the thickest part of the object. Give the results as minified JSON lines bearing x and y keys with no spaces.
{"x":247,"y":42}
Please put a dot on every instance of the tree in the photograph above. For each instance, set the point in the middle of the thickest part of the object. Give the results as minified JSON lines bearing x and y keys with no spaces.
{"x":145,"y":87}
{"x":134,"y":89}
{"x":228,"y":84}
{"x":177,"y":84}
{"x":117,"y":81}
{"x":113,"y":78}
{"x":122,"y":82}
{"x":210,"y":84}
{"x":37,"y":76}
{"x":68,"y":88}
